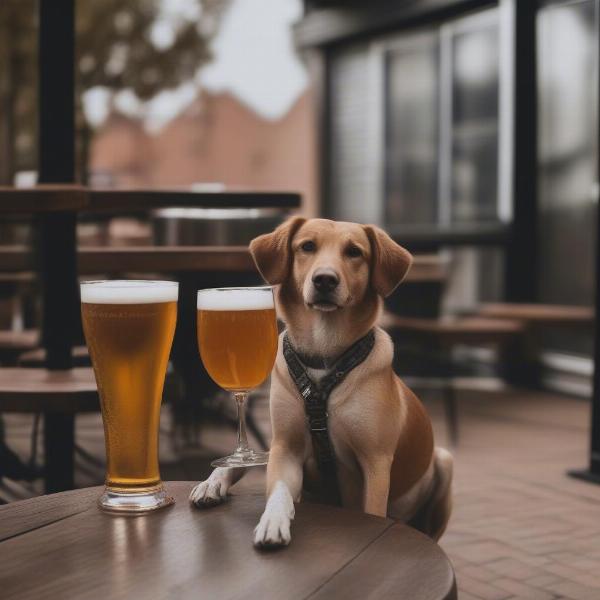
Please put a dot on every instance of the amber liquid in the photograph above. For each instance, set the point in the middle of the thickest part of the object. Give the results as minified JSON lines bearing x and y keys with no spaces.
{"x":129,"y":346}
{"x":238,"y":347}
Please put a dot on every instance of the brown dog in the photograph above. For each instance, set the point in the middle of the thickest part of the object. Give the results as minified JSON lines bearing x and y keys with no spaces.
{"x":332,"y":277}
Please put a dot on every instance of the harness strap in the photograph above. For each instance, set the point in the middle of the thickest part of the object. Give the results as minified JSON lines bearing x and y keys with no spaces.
{"x":316,"y":396}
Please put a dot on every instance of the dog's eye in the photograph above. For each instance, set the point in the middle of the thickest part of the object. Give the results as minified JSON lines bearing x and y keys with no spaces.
{"x":308,"y":246}
{"x":353,"y":251}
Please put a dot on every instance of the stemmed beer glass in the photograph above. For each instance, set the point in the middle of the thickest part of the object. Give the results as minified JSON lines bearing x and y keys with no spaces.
{"x":237,"y":337}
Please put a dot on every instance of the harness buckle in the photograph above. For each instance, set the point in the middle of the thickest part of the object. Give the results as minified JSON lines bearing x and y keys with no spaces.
{"x":318,"y":423}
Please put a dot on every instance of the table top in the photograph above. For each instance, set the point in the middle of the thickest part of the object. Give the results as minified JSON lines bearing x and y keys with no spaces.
{"x":62,"y":546}
{"x":174,"y":259}
{"x":66,"y":197}
{"x":42,"y":198}
{"x":540,"y":313}
{"x":455,"y":329}
{"x":24,"y":389}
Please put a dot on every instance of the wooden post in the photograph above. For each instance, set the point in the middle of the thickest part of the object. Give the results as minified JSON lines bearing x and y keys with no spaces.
{"x":56,"y":242}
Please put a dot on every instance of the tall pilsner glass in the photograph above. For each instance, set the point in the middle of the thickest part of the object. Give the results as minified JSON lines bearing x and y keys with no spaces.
{"x":129,"y":328}
{"x":237,"y":337}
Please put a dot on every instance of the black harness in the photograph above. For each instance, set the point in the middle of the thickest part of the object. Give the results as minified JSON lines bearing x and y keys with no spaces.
{"x":316,"y":396}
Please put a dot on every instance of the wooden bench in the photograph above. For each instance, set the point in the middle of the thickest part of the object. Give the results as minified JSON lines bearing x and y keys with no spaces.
{"x":14,"y":343}
{"x":455,"y":330}
{"x":443,"y":334}
{"x":523,"y":365}
{"x":37,"y":357}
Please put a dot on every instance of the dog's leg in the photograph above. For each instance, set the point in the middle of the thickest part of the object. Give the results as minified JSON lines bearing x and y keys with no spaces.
{"x":284,"y":484}
{"x":439,"y":506}
{"x":376,"y":476}
{"x":214,"y":490}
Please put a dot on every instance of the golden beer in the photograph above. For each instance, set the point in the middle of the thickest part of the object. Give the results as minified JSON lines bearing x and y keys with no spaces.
{"x":237,"y":338}
{"x":238,"y":347}
{"x":129,"y":328}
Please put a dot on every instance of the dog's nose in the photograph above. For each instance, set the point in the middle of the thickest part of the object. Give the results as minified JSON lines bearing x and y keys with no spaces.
{"x":325,"y":281}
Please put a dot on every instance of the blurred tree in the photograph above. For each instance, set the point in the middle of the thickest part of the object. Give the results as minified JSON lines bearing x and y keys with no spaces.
{"x":18,"y":87}
{"x":139,"y":45}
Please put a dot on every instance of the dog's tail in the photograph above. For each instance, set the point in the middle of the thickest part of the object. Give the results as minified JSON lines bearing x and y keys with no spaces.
{"x":433,"y":517}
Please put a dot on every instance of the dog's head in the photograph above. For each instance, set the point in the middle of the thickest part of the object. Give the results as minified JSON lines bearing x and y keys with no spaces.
{"x":330,"y":265}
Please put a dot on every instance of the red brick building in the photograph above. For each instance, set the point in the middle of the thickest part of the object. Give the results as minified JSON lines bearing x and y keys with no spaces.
{"x":216,"y":139}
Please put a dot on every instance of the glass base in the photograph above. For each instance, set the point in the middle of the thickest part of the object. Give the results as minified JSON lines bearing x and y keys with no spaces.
{"x":134,"y":502}
{"x":248,"y":458}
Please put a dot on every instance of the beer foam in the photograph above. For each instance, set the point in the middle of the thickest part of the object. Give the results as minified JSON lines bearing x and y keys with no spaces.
{"x":236,"y":299}
{"x":128,"y":292}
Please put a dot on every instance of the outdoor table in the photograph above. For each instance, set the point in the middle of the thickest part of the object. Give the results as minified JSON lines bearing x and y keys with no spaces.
{"x":173,"y":259}
{"x":540,"y":314}
{"x":523,"y":365}
{"x":63,"y":546}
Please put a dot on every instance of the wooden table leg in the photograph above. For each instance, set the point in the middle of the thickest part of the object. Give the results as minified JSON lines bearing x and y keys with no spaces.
{"x":59,"y":445}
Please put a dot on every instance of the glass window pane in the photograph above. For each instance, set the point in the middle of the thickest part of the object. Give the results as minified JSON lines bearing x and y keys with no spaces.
{"x":411,"y":133}
{"x":567,"y":150}
{"x":475,"y":89}
{"x":352,"y":175}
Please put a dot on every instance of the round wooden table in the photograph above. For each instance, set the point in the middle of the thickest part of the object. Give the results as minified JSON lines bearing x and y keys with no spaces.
{"x":61,"y":546}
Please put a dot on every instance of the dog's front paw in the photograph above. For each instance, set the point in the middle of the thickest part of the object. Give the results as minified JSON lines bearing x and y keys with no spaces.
{"x":208,"y":493}
{"x":273,"y":529}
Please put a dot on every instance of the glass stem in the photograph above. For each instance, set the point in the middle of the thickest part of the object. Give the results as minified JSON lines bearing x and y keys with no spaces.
{"x":242,"y":439}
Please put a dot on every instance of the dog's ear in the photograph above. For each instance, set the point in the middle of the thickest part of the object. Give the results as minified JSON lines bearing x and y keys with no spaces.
{"x":389,"y":261}
{"x":272,"y":251}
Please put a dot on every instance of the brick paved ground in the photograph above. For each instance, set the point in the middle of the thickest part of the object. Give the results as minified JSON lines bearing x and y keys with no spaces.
{"x":520,"y":528}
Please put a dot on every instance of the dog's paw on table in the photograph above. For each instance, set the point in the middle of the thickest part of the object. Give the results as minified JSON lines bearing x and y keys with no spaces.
{"x":208,"y":493}
{"x":272,"y":531}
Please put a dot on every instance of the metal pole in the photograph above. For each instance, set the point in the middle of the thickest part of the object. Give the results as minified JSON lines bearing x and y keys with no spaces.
{"x":56,"y":242}
{"x":521,"y":261}
{"x":592,"y":474}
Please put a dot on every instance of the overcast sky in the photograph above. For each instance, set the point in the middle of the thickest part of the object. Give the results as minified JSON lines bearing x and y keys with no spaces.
{"x":254,"y":60}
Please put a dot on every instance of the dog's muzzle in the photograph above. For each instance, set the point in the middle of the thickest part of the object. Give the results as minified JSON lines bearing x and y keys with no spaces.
{"x":325,"y":283}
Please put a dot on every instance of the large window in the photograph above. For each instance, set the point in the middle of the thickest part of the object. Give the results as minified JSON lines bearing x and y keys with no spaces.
{"x":412,"y":136}
{"x":475,"y":121}
{"x":416,"y":128}
{"x":416,"y":134}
